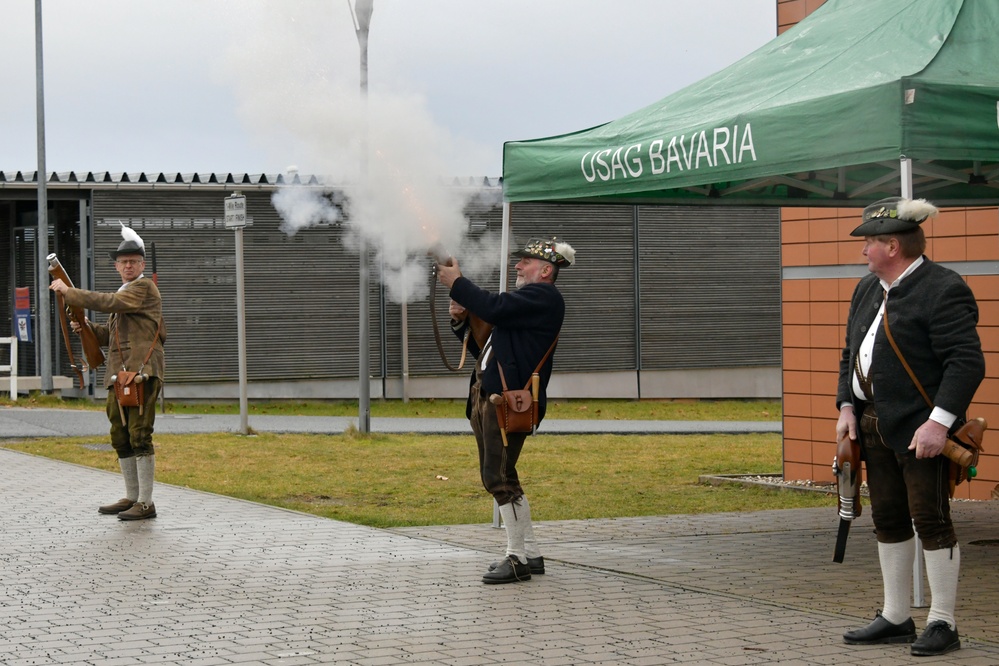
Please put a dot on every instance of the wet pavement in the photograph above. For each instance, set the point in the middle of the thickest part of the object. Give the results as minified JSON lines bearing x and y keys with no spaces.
{"x":216,"y":580}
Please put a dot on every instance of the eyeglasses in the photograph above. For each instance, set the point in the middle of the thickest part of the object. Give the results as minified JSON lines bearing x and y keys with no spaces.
{"x":129,"y":262}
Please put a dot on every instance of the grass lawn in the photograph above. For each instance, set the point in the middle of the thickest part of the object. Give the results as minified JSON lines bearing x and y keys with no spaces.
{"x":386,"y":480}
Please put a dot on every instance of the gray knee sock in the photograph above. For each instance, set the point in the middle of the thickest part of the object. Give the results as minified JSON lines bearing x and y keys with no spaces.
{"x":531,"y":548}
{"x":131,"y":476}
{"x":145,"y":466}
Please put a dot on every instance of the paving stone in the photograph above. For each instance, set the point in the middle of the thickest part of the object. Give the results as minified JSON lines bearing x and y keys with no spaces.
{"x":215,"y":580}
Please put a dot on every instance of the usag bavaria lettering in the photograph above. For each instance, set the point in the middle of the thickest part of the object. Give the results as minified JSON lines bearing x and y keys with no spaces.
{"x":725,"y":146}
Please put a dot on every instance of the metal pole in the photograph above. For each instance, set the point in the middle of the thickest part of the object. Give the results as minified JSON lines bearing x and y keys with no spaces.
{"x":505,"y":247}
{"x":244,"y":425}
{"x":905,"y":172}
{"x":918,"y":568}
{"x":42,"y":274}
{"x":405,"y":352}
{"x":362,"y":14}
{"x":504,"y":272}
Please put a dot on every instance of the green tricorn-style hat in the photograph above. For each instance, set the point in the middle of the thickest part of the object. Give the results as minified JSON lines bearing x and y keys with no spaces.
{"x":894,"y":215}
{"x":558,"y":253}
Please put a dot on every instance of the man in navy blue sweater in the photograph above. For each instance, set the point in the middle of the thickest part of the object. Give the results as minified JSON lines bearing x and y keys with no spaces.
{"x":525,"y":326}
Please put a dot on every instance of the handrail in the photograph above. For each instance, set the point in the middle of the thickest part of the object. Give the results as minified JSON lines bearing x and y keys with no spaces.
{"x":12,"y":367}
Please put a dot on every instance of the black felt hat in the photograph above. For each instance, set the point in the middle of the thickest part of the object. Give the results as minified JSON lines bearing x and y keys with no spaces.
{"x":894,"y":215}
{"x":131,"y":245}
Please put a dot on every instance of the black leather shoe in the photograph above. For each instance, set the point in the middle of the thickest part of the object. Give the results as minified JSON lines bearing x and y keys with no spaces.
{"x":510,"y":570}
{"x":937,"y":638}
{"x":882,"y":631}
{"x":536,"y":564}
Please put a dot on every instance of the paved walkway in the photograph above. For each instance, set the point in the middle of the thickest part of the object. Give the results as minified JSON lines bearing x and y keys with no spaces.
{"x":215,"y":580}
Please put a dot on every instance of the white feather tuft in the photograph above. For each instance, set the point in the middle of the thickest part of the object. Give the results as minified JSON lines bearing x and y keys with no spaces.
{"x":566,"y":251}
{"x":915,"y":210}
{"x":128,"y":233}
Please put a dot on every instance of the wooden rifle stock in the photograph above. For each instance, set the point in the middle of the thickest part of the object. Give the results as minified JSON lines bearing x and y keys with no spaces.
{"x":847,"y":470}
{"x":92,"y":351}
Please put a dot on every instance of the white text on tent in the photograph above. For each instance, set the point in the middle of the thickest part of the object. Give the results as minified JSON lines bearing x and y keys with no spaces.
{"x":626,"y":162}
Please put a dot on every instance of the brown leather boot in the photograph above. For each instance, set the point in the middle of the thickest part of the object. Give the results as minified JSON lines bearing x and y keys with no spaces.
{"x":124,"y":504}
{"x":139,"y":511}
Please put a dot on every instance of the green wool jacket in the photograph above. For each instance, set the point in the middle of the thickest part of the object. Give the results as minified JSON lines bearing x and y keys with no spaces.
{"x":136,"y":314}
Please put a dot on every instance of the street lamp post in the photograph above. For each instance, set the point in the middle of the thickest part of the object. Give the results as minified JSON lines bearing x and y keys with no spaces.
{"x":361,"y":11}
{"x":42,"y":240}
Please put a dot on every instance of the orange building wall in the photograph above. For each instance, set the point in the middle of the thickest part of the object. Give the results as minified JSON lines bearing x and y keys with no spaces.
{"x":815,"y":310}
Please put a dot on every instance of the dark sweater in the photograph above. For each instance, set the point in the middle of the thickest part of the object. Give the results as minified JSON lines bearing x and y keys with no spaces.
{"x":933,"y":316}
{"x":525,"y":324}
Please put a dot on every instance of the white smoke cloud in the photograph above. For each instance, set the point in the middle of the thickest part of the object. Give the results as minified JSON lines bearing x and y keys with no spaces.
{"x":299,"y":91}
{"x":301,"y":207}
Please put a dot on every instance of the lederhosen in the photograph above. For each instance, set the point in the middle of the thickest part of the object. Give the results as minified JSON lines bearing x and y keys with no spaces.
{"x":497,"y":463}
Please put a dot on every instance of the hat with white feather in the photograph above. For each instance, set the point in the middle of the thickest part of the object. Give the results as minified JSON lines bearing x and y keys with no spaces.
{"x":894,"y":215}
{"x":131,"y":245}
{"x":559,"y":253}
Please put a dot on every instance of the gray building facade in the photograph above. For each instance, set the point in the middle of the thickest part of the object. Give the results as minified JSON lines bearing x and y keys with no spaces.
{"x":663,"y":302}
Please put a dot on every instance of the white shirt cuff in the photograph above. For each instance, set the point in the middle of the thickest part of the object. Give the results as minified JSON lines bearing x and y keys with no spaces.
{"x":943,"y":417}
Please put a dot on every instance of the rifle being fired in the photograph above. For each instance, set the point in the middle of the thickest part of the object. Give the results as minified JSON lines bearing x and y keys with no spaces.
{"x":92,"y":352}
{"x":477,"y":328}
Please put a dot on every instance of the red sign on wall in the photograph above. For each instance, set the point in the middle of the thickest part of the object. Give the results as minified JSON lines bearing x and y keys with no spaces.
{"x":22,"y":298}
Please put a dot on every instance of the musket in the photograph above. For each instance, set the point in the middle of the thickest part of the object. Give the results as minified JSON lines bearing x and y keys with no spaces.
{"x":477,"y":329}
{"x":846,"y":469}
{"x":92,"y":352}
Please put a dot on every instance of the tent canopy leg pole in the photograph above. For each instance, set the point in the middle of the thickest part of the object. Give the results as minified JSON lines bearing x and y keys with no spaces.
{"x":505,"y":247}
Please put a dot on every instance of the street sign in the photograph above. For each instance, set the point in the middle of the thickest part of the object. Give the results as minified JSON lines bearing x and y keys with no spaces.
{"x":235,"y":212}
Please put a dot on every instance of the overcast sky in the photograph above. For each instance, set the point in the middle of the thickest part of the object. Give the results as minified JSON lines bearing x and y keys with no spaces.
{"x":253,"y":86}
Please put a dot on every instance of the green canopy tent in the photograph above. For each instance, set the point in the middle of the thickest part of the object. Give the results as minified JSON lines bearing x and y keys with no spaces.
{"x":862,"y":99}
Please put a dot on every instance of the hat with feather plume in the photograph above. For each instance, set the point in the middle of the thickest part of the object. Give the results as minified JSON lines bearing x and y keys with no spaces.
{"x":131,"y":245}
{"x":559,"y":253}
{"x":894,"y":215}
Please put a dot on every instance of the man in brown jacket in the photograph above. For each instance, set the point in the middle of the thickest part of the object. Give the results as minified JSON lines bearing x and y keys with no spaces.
{"x":134,"y":336}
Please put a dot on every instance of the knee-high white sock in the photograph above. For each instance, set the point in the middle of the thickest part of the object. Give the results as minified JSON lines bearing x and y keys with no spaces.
{"x":514,"y":524}
{"x":942,"y":569}
{"x":131,"y":476}
{"x":145,"y":466}
{"x":531,"y":548}
{"x":896,"y":573}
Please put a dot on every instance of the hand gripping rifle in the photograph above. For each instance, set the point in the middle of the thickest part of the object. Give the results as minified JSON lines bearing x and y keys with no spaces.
{"x":846,"y":469}
{"x":962,"y":448}
{"x":93,"y":355}
{"x":477,"y":328}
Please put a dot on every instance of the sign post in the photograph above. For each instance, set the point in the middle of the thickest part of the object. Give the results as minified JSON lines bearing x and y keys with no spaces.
{"x":235,"y":218}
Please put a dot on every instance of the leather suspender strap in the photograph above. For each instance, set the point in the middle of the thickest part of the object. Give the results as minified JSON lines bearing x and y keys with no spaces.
{"x":865,"y":382}
{"x":536,"y":370}
{"x":905,"y":364}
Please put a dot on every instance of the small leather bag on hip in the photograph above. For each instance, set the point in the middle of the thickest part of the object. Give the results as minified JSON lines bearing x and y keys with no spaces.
{"x":518,"y":411}
{"x":127,"y":391}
